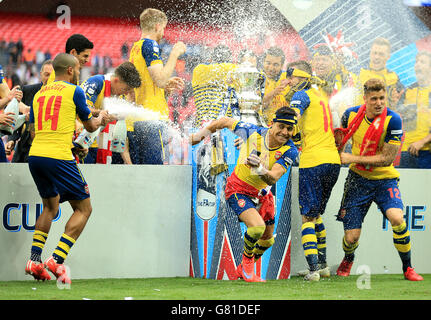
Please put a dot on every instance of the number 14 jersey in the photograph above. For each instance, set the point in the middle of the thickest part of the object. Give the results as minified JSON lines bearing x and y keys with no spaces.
{"x":53,"y":113}
{"x":315,"y":125}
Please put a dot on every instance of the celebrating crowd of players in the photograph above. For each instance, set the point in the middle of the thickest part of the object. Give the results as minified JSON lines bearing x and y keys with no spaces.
{"x":296,"y":102}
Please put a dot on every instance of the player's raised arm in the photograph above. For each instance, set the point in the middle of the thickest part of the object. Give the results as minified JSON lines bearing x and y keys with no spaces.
{"x":161,"y":74}
{"x":215,"y":125}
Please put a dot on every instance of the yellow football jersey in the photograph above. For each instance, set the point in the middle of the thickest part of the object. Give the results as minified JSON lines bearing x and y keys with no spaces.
{"x":416,"y":115}
{"x":278,"y":101}
{"x":392,"y":134}
{"x":256,"y":139}
{"x":390,"y":79}
{"x":209,"y":90}
{"x":146,"y":53}
{"x":316,"y":127}
{"x":95,"y":91}
{"x":53,"y":113}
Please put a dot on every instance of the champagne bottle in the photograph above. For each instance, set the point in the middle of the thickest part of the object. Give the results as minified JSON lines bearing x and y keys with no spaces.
{"x":11,"y":107}
{"x":119,"y":137}
{"x":86,"y":139}
{"x":19,"y":121}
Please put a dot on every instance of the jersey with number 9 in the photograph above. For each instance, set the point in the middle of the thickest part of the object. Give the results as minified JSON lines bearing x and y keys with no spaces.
{"x":53,"y":113}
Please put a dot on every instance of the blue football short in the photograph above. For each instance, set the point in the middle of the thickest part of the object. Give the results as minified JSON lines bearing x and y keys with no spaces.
{"x":148,"y":142}
{"x":422,"y":161}
{"x":360,"y":192}
{"x":239,"y":203}
{"x":58,"y":177}
{"x":315,"y":187}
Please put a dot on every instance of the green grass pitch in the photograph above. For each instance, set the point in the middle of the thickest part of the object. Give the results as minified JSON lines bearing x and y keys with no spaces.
{"x":377,"y":287}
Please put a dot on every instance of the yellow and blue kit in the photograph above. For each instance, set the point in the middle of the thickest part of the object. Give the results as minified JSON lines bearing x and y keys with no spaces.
{"x":53,"y":113}
{"x":416,"y":115}
{"x":380,"y":185}
{"x":316,"y":127}
{"x":392,"y":134}
{"x":244,"y":186}
{"x":96,"y":88}
{"x":278,"y":101}
{"x":148,"y":137}
{"x":319,"y":162}
{"x":389,"y":78}
{"x":144,"y":54}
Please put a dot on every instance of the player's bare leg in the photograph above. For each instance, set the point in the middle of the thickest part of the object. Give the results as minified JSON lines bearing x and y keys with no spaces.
{"x":81,"y":213}
{"x":74,"y":227}
{"x":49,"y":211}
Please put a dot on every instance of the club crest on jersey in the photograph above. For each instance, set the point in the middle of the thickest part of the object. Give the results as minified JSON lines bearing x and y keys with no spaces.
{"x":241,"y":203}
{"x":156,"y":48}
{"x":277,"y":155}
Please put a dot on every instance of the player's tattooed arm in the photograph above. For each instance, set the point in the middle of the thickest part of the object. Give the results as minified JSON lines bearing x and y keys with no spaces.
{"x":31,"y":130}
{"x":384,"y":159}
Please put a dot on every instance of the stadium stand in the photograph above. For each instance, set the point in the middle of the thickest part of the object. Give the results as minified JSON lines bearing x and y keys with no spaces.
{"x":109,"y":34}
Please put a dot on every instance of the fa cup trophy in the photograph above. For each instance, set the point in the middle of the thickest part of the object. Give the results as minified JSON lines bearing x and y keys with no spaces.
{"x":246,"y":80}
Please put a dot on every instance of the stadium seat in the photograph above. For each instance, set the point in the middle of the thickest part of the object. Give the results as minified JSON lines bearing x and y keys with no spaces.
{"x":109,"y":34}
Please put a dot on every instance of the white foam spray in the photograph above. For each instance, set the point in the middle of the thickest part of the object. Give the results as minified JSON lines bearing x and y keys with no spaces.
{"x":124,"y":109}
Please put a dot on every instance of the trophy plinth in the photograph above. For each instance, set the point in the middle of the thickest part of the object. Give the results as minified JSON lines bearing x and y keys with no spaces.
{"x":247,"y":79}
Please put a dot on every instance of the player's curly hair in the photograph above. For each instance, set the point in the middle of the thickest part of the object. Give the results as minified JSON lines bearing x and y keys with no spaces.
{"x":129,"y":74}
